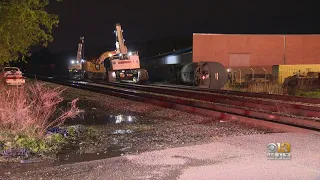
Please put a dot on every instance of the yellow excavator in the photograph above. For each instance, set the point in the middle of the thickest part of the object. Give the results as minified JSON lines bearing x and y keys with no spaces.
{"x":95,"y":69}
{"x":117,"y":65}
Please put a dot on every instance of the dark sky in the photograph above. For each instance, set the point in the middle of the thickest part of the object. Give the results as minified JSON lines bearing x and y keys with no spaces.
{"x":153,"y":19}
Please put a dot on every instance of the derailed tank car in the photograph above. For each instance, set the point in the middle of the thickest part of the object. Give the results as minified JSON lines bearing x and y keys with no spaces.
{"x":177,"y":67}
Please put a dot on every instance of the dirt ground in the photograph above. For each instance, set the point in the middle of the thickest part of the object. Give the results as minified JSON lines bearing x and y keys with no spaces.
{"x":140,"y":127}
{"x":130,"y":127}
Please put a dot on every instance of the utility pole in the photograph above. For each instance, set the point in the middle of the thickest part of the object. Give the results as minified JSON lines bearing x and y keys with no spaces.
{"x":252,"y":73}
{"x":240,"y":76}
{"x":82,"y":50}
{"x":284,"y":50}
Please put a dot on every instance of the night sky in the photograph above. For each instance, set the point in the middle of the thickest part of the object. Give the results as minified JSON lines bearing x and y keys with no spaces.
{"x":151,"y":20}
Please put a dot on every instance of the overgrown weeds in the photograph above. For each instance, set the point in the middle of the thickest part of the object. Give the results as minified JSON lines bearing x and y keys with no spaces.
{"x":32,"y":109}
{"x":260,"y":87}
{"x":26,"y":113}
{"x":301,"y":87}
{"x":270,"y":88}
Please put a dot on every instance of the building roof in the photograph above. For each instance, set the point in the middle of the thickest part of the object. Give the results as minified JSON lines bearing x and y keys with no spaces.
{"x":181,"y":51}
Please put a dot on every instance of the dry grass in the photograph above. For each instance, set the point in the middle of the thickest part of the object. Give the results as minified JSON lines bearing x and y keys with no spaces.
{"x":32,"y":109}
{"x":269,"y":88}
{"x":302,"y":87}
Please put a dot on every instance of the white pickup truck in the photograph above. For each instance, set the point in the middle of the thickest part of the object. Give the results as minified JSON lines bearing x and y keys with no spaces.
{"x":11,"y":76}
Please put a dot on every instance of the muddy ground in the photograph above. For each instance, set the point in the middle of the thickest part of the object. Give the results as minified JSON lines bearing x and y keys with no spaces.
{"x":130,"y":127}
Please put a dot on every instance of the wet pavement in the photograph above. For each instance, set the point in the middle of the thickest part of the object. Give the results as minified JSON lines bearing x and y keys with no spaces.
{"x":70,"y":156}
{"x":130,"y":128}
{"x":241,"y":157}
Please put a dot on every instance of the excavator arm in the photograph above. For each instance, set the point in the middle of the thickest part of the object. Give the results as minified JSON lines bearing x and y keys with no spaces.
{"x":80,"y":50}
{"x":121,"y":48}
{"x":105,"y":55}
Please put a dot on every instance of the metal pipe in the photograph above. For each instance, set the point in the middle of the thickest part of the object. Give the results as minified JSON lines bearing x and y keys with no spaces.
{"x":252,"y":73}
{"x":265,"y":73}
{"x":240,"y":75}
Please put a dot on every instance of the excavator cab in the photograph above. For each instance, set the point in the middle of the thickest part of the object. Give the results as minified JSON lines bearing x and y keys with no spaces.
{"x":107,"y":63}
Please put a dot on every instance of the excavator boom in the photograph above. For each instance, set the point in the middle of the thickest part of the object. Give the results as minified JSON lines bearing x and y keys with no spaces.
{"x":80,"y":49}
{"x":106,"y":55}
{"x":121,"y":48}
{"x":75,"y":66}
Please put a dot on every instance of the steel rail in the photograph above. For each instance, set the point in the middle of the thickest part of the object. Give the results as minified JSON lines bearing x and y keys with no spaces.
{"x":249,"y":94}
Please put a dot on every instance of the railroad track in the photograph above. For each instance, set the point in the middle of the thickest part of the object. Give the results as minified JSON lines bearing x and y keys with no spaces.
{"x":298,"y":116}
{"x":251,"y":94}
{"x":290,"y":108}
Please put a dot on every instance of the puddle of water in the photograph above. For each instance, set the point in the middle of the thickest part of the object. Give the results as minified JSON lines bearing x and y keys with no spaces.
{"x":96,"y":120}
{"x":121,"y":119}
{"x":70,"y":156}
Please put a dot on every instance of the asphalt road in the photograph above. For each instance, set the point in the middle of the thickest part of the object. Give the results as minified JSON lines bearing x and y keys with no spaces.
{"x":241,"y":157}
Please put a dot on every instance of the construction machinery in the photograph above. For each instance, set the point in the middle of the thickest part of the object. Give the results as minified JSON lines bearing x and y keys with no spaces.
{"x":122,"y":65}
{"x":75,"y":66}
{"x":86,"y":69}
{"x":119,"y":65}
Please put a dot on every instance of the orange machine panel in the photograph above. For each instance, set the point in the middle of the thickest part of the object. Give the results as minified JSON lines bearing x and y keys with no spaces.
{"x":256,"y":50}
{"x":132,"y":63}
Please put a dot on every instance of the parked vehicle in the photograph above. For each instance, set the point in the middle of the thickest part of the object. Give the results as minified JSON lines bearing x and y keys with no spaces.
{"x":12,"y":76}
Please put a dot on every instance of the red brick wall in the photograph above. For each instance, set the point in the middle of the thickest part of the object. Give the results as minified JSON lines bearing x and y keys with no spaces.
{"x":264,"y":50}
{"x":303,"y":49}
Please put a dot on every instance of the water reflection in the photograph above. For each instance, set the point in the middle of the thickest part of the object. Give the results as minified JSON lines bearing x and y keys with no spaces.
{"x":121,"y":131}
{"x":89,"y":119}
{"x":123,"y":119}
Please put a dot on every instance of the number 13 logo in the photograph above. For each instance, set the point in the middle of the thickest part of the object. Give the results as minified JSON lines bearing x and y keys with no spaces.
{"x":284,"y":147}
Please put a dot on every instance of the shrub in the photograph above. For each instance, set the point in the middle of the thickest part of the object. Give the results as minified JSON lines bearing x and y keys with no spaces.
{"x":313,"y":94}
{"x":31,"y":109}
